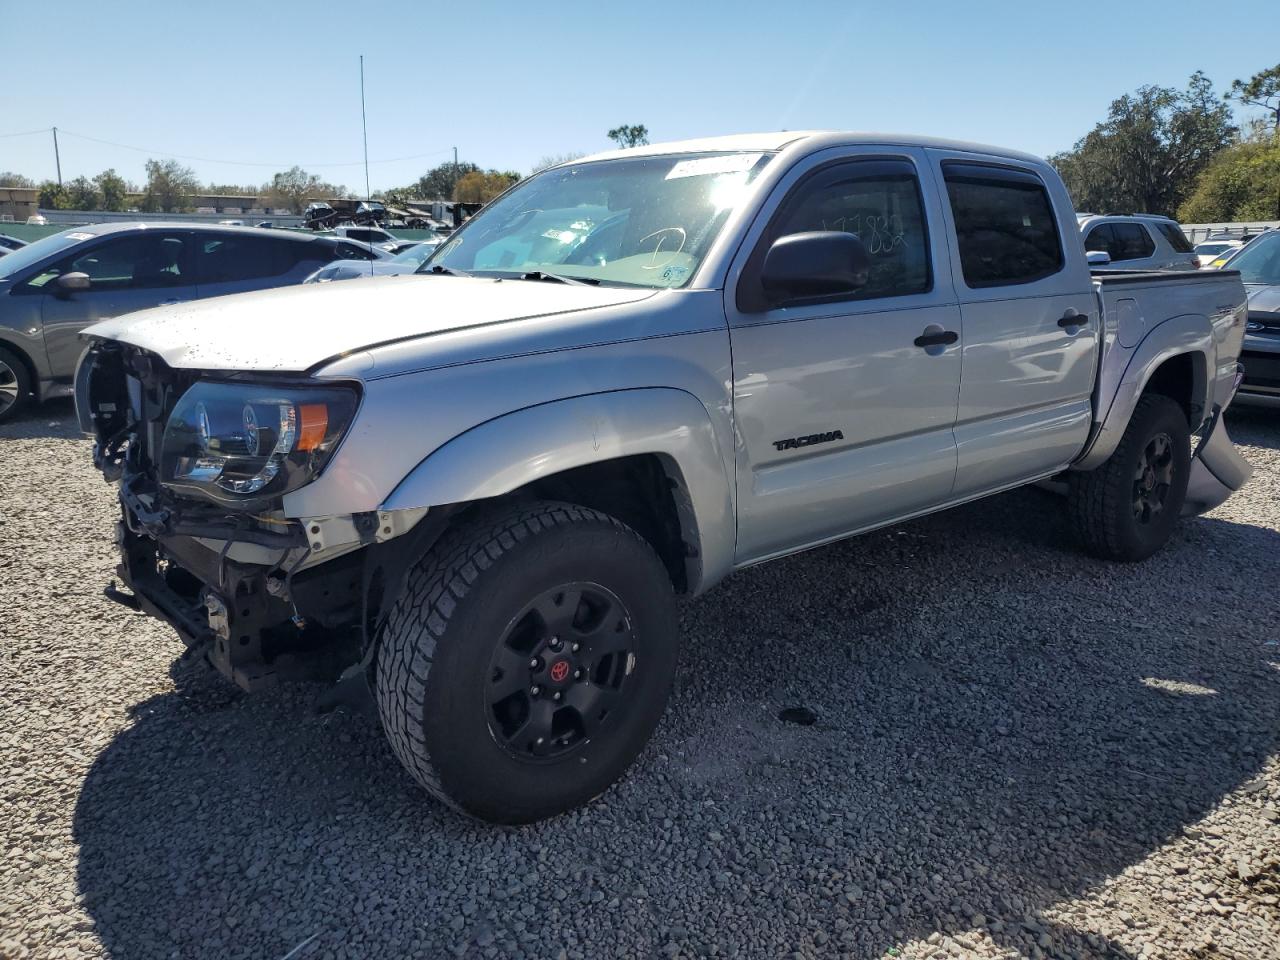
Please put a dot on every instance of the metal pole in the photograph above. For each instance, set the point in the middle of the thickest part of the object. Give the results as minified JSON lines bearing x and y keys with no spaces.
{"x":455,"y":175}
{"x":364,"y":129}
{"x":56,"y":158}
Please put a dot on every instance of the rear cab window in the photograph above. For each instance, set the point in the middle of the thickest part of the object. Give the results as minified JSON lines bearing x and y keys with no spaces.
{"x":1006,"y":230}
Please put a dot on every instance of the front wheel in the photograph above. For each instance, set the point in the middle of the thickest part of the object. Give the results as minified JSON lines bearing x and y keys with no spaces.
{"x":1125,"y":509}
{"x":15,"y":385}
{"x":528,"y":661}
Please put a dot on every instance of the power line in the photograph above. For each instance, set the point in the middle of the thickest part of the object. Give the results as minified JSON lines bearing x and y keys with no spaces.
{"x":25,"y":133}
{"x":237,"y":163}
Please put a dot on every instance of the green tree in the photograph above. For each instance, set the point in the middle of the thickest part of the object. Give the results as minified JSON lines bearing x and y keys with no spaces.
{"x":10,"y":179}
{"x":1145,"y":157}
{"x":294,"y":186}
{"x":481,"y":187}
{"x":113,"y":189}
{"x":438,"y":182}
{"x":169,"y":188}
{"x":53,"y":196}
{"x":555,"y":159}
{"x":1260,"y":90}
{"x":83,"y":194}
{"x":1242,"y":183}
{"x":630,"y":136}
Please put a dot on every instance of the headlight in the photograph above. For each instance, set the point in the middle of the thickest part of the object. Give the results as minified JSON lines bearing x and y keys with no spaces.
{"x":237,"y":441}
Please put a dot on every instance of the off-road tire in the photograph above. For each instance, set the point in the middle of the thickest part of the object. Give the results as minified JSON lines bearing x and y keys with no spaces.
{"x":434,"y":657}
{"x":1101,"y":502}
{"x":13,"y":376}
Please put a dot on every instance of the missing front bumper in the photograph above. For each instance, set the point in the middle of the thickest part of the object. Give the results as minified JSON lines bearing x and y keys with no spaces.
{"x":233,"y":616}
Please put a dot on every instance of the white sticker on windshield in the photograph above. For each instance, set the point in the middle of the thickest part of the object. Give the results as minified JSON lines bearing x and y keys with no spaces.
{"x":79,"y":236}
{"x":707,"y":166}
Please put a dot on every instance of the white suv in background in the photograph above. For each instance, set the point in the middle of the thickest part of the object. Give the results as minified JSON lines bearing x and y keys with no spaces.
{"x":1138,"y":242}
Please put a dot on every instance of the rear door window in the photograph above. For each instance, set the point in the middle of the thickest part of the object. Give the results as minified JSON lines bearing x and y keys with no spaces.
{"x":1006,"y":231}
{"x":1132,"y":241}
{"x":224,"y":259}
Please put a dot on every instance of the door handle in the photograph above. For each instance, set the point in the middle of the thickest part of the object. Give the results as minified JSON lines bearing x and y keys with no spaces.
{"x":939,"y":338}
{"x":165,"y":303}
{"x":1073,"y":318}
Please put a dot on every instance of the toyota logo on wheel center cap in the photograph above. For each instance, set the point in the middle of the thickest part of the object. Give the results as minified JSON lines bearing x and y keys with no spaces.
{"x":560,"y":671}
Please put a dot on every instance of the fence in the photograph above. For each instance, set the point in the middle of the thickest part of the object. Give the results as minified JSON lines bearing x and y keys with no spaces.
{"x":1199,"y":232}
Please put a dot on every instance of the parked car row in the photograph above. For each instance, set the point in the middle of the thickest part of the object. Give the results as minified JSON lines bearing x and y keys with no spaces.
{"x":53,"y":288}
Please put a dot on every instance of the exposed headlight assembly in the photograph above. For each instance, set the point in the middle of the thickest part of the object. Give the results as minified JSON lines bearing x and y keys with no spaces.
{"x":235,"y":442}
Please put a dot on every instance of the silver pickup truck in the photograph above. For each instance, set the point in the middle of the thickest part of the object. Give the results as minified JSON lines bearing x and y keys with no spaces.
{"x":477,"y":491}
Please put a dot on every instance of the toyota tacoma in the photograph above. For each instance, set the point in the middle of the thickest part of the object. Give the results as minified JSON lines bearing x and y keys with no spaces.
{"x":477,"y":491}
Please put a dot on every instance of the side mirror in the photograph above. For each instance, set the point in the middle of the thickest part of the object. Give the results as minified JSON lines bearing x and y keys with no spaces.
{"x":814,"y":265}
{"x":70,"y":282}
{"x":1098,"y":258}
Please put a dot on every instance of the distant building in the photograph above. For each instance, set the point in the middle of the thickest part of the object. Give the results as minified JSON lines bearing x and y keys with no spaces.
{"x":238,"y":206}
{"x":18,"y":203}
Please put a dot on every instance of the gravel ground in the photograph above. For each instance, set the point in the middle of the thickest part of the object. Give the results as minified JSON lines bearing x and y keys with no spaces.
{"x":1018,"y":751}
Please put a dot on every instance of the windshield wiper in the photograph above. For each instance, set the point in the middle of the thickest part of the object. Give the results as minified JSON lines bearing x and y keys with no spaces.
{"x":558,"y":278}
{"x":440,"y":271}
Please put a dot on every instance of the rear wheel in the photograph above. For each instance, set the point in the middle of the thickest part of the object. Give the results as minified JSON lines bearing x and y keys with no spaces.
{"x":528,"y":661}
{"x":1125,"y":509}
{"x":15,"y":385}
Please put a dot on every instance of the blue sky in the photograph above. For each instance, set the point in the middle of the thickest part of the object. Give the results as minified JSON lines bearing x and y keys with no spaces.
{"x":273,"y":84}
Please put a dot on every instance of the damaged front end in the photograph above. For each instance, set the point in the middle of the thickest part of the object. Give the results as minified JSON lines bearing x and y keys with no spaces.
{"x":203,"y":465}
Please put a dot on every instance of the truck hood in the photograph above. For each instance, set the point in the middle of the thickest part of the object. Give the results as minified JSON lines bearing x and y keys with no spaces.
{"x":297,"y":328}
{"x":1263,"y":297}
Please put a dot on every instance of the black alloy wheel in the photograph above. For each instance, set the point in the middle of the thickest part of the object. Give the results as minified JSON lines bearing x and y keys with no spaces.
{"x":560,"y":671}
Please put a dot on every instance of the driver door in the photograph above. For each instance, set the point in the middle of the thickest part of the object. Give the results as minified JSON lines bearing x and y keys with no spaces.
{"x":133,"y":272}
{"x":845,"y":408}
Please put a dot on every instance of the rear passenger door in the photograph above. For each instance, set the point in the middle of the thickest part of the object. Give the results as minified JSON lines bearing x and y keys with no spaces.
{"x":844,"y":406}
{"x":1030,"y":322}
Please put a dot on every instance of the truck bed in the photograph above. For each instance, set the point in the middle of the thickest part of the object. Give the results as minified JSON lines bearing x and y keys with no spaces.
{"x":1133,"y":303}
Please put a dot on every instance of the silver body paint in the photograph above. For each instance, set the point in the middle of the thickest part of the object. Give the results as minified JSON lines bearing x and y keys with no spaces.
{"x":473,"y":387}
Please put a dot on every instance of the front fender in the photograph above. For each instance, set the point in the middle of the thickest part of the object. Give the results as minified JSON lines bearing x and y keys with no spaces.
{"x":1189,"y":334}
{"x":508,"y":452}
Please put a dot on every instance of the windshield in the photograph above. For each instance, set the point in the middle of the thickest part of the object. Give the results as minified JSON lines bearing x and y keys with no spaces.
{"x":416,"y":254}
{"x":18,"y":260}
{"x":643,"y":221}
{"x":1207,"y":249}
{"x":1259,"y":262}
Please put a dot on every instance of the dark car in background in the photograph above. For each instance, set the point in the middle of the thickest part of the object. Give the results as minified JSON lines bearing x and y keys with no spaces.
{"x":53,"y":288}
{"x":1259,"y":266}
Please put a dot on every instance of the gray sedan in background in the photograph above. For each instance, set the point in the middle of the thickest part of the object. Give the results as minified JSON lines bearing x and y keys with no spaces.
{"x":52,"y":289}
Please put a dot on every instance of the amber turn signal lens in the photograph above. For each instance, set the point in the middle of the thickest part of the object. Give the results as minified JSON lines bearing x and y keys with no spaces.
{"x":313,"y":425}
